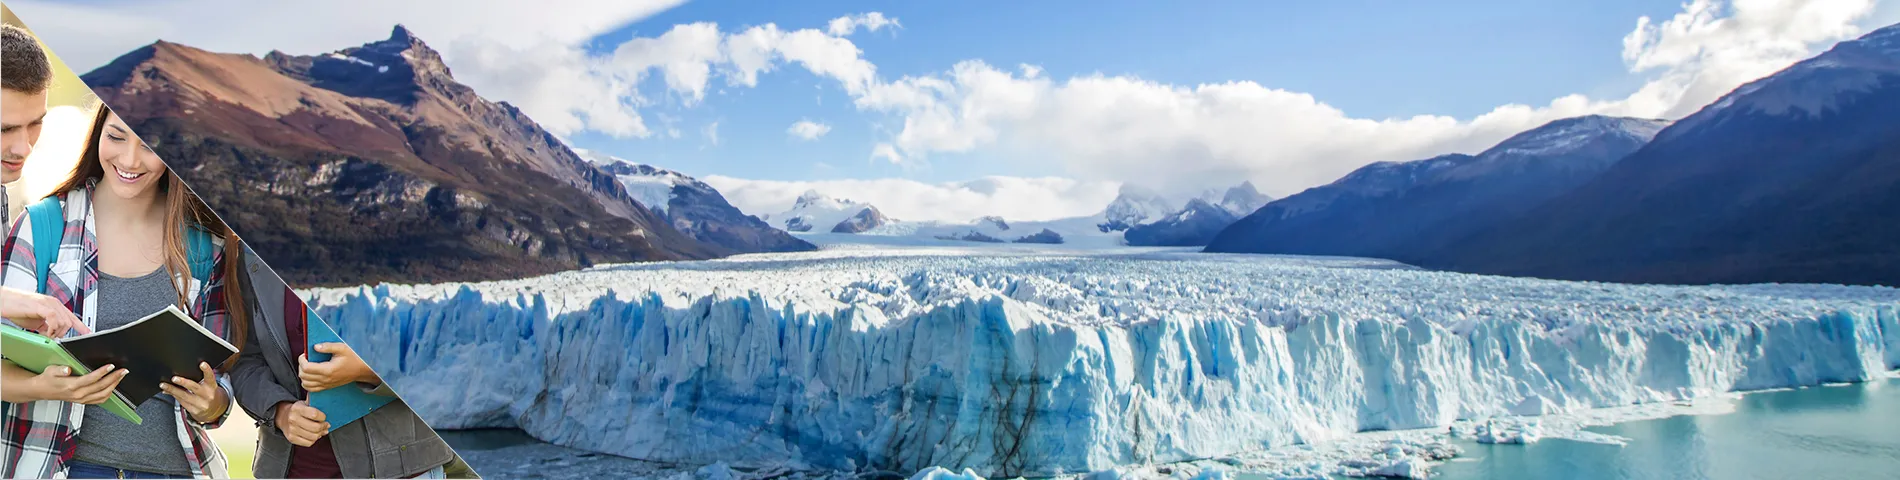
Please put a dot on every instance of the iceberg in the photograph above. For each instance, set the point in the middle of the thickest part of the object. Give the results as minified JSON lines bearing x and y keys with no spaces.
{"x":1020,"y":361}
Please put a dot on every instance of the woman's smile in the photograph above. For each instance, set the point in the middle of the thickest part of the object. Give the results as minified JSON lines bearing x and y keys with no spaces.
{"x":127,"y":177}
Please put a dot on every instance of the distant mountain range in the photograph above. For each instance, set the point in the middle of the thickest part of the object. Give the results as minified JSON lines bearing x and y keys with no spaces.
{"x":1409,"y":211}
{"x":373,"y":164}
{"x":695,"y":208}
{"x":1137,"y":216}
{"x":1791,"y":178}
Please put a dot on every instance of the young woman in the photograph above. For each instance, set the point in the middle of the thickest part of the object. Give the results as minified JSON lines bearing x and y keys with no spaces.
{"x":122,"y":255}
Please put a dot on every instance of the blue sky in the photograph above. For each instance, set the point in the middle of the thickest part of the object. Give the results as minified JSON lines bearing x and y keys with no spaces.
{"x":1029,"y":110}
{"x":1370,"y":59}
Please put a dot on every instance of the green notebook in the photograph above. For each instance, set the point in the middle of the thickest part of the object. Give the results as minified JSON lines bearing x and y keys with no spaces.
{"x":35,"y":352}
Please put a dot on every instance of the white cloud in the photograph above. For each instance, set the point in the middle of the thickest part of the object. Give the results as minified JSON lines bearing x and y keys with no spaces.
{"x":711,"y":132}
{"x":888,"y":153}
{"x":526,"y":53}
{"x":808,"y":130}
{"x":91,"y":33}
{"x":684,"y":55}
{"x":1711,"y":47}
{"x":1185,"y":137}
{"x":1014,"y":198}
{"x":845,"y":25}
{"x":1098,"y":127}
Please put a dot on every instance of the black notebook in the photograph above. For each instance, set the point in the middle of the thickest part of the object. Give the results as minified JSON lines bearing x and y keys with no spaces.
{"x":152,"y":350}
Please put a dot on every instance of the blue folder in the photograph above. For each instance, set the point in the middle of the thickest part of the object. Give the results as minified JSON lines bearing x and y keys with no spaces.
{"x":344,"y":403}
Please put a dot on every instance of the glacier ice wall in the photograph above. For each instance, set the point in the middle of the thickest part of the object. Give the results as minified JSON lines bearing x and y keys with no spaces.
{"x":1048,"y":364}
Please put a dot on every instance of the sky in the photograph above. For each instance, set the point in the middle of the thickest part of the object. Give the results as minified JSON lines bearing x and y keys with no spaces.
{"x":1028,"y":110}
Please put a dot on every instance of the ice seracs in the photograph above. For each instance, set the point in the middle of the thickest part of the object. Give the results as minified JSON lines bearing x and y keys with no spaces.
{"x":1025,"y":361}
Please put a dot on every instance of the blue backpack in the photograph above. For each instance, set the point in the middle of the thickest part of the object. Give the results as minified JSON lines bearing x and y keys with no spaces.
{"x":49,"y":230}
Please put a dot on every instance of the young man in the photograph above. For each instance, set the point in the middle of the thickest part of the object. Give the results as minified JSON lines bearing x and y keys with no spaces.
{"x":25,"y":77}
{"x":272,"y":380}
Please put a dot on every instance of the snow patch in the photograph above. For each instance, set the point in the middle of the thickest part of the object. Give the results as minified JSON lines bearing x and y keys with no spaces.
{"x":354,"y":60}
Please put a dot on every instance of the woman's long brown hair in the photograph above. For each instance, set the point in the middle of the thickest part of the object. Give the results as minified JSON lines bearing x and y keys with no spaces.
{"x":186,"y":210}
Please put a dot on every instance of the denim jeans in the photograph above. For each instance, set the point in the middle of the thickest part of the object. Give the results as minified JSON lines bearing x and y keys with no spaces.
{"x":437,"y":472}
{"x":83,"y":469}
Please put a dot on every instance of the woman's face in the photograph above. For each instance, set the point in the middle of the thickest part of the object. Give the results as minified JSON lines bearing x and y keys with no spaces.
{"x":132,"y":170}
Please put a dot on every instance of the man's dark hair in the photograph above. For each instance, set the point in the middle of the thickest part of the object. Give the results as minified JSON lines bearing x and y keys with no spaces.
{"x":23,"y":65}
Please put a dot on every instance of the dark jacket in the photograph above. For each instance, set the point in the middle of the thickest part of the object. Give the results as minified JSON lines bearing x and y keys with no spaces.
{"x":391,"y":442}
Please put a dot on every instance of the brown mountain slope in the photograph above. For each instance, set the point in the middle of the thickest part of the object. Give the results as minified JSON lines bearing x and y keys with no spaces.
{"x":372,"y":164}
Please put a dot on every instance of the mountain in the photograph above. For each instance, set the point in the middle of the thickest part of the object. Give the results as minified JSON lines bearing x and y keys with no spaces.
{"x":1243,"y":199}
{"x":1046,"y":236}
{"x":815,"y":212}
{"x":1193,"y":226}
{"x":696,"y":209}
{"x":373,"y":164}
{"x":1135,"y":205}
{"x":866,"y":219}
{"x":1794,"y":177}
{"x":1411,"y":211}
{"x":1138,"y":216}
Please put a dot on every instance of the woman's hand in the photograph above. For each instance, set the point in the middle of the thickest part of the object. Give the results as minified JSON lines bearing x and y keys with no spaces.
{"x":58,"y":383}
{"x":301,"y":423}
{"x":205,"y":400}
{"x":343,"y":367}
{"x":39,"y":313}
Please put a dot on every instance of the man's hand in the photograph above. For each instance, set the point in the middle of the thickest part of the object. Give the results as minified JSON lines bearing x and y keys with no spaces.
{"x":301,"y":423}
{"x":205,"y":400}
{"x":344,"y":367}
{"x":58,"y":383}
{"x":39,"y":313}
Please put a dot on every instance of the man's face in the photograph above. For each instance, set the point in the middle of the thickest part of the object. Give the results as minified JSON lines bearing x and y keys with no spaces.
{"x":20,"y":121}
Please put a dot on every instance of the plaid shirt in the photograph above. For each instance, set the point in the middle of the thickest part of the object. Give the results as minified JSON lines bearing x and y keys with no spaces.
{"x":41,"y":437}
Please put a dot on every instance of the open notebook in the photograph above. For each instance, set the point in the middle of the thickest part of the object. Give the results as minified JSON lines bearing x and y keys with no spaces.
{"x":151,"y":350}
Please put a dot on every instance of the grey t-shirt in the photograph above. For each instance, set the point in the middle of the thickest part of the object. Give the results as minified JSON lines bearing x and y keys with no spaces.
{"x":106,"y":439}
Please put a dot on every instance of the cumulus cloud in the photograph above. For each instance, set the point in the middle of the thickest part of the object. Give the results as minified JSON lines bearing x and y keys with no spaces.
{"x":871,"y":22}
{"x":1711,"y":47}
{"x":527,"y":53}
{"x":1185,"y":137}
{"x":808,"y":130}
{"x":1014,"y":198}
{"x":711,"y":132}
{"x":1096,"y":127}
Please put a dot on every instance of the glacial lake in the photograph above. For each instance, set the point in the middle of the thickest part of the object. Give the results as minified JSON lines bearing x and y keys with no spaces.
{"x":1817,"y":433}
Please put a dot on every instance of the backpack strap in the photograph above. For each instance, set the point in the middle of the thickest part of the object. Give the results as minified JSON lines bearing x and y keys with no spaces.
{"x":49,"y":230}
{"x":200,"y":253}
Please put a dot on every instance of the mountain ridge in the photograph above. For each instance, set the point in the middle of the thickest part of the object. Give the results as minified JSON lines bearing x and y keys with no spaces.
{"x":405,"y":183}
{"x":1408,"y":211}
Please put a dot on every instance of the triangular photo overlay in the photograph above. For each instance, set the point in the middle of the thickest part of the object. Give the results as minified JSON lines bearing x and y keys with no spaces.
{"x":292,"y":363}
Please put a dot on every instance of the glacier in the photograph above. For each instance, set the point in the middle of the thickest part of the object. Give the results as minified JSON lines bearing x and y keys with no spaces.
{"x":1019,"y":360}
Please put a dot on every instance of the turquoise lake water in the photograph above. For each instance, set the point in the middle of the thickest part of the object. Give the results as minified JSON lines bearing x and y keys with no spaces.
{"x":1820,"y":433}
{"x":1841,"y":432}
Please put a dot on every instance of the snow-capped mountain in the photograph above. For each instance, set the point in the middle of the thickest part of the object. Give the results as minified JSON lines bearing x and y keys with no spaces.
{"x":1243,"y":199}
{"x":374,"y":164}
{"x":1136,"y":205}
{"x":865,"y":219}
{"x":1046,"y":364}
{"x":1161,"y":220}
{"x":1817,"y":86}
{"x":695,"y":208}
{"x":1789,"y":178}
{"x":1409,"y":210}
{"x":816,"y":212}
{"x":1193,"y":226}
